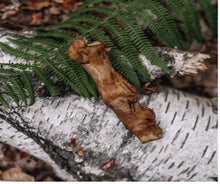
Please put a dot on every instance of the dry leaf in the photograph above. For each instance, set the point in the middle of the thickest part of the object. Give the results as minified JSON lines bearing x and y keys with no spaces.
{"x":36,"y":17}
{"x":16,"y":174}
{"x":54,"y":10}
{"x":8,"y":14}
{"x":58,"y":1}
{"x":2,"y":5}
{"x":36,"y":6}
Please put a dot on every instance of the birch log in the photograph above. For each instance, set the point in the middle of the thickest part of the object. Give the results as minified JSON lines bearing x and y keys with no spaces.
{"x":186,"y":152}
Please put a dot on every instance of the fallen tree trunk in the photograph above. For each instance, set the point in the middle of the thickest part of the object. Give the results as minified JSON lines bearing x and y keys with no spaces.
{"x":186,"y":152}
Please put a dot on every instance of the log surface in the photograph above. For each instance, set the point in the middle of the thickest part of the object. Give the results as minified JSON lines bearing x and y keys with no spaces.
{"x":186,"y":152}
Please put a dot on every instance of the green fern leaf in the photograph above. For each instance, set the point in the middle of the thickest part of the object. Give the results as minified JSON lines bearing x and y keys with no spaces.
{"x":3,"y":101}
{"x":18,"y":86}
{"x":46,"y":80}
{"x":16,"y":52}
{"x":210,"y":15}
{"x":28,"y":85}
{"x":58,"y":34}
{"x":10,"y":92}
{"x":30,"y":46}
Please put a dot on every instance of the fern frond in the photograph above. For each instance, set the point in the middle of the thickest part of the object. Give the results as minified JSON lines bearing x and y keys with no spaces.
{"x":19,"y":88}
{"x":76,"y":72}
{"x":18,"y":65}
{"x":89,"y":2}
{"x":10,"y":92}
{"x":28,"y":45}
{"x":28,"y":85}
{"x":16,"y":52}
{"x":187,"y":13}
{"x":193,"y":15}
{"x":120,"y":63}
{"x":46,"y":80}
{"x":210,"y":14}
{"x":160,"y":22}
{"x":3,"y":101}
{"x":58,"y":34}
{"x":64,"y":76}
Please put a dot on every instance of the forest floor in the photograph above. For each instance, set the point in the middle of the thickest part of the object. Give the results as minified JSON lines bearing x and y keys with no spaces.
{"x":26,"y":15}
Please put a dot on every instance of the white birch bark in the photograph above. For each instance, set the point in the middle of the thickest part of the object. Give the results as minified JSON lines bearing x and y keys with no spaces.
{"x":180,"y":62}
{"x":186,"y":152}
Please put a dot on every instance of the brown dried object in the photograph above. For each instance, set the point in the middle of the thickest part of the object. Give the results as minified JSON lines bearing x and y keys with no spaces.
{"x":115,"y":91}
{"x":80,"y":151}
{"x":107,"y":165}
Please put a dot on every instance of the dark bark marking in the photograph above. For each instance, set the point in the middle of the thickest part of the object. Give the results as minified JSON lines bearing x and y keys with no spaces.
{"x":214,"y":109}
{"x":154,"y":147}
{"x":204,"y":152}
{"x":176,"y":136}
{"x":178,"y":96}
{"x":180,"y":164}
{"x":192,"y":176}
{"x":161,"y":150}
{"x":52,"y":101}
{"x":170,"y":178}
{"x":187,"y":104}
{"x":197,"y":102}
{"x":203,"y":111}
{"x":158,"y":123}
{"x":197,"y":118}
{"x":148,"y":100}
{"x":183,"y":116}
{"x":154,"y":160}
{"x":171,"y":165}
{"x":126,"y":139}
{"x":173,"y":118}
{"x":191,"y":170}
{"x":68,"y":106}
{"x":215,"y":126}
{"x":159,"y":163}
{"x":166,"y":148}
{"x":187,"y":135}
{"x":166,"y":160}
{"x":35,"y":111}
{"x":83,"y":119}
{"x":12,"y":136}
{"x":166,"y":95}
{"x":208,"y":104}
{"x":207,"y":126}
{"x":57,"y":104}
{"x":168,"y":105}
{"x":119,"y":122}
{"x":213,"y":154}
{"x":184,"y":171}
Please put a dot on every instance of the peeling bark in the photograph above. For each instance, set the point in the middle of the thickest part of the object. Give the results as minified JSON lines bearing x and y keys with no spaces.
{"x":180,"y":62}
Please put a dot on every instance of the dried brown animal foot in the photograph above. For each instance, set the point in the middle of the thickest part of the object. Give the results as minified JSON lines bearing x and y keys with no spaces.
{"x":115,"y":91}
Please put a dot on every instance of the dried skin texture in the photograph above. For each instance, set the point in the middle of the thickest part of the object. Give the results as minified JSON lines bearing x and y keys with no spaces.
{"x":115,"y":91}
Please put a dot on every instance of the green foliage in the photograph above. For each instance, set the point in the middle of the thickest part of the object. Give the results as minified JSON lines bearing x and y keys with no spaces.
{"x":46,"y":53}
